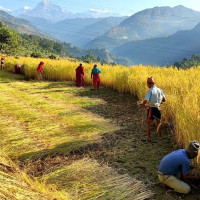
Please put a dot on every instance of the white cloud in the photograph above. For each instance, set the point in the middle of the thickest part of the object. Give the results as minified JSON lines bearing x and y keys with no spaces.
{"x":63,"y":10}
{"x":27,"y":8}
{"x":5,"y":9}
{"x":99,"y":11}
{"x":124,"y":37}
{"x":46,"y":2}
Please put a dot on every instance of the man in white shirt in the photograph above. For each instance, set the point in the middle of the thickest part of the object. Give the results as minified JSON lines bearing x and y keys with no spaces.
{"x":154,"y":97}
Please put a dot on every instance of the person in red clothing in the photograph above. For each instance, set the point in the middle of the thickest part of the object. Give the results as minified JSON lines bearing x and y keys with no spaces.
{"x":2,"y":63}
{"x":79,"y":75}
{"x":40,"y":71}
{"x":95,"y":75}
{"x":18,"y":69}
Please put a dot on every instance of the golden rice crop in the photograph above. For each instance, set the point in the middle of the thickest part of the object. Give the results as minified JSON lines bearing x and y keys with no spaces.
{"x":181,"y":87}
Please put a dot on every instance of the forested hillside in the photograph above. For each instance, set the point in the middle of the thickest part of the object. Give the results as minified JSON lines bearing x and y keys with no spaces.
{"x":12,"y":43}
{"x":194,"y":61}
{"x":162,"y":51}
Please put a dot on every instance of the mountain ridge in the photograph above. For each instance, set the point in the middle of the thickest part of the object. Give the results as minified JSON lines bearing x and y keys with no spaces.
{"x":149,"y":23}
{"x":54,"y":13}
{"x":162,"y":51}
{"x":18,"y":24}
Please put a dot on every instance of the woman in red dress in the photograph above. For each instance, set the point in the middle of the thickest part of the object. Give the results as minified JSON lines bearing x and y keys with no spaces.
{"x":79,"y":75}
{"x":40,"y":71}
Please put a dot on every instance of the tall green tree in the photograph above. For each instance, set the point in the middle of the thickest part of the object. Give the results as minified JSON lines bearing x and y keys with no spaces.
{"x":194,"y":61}
{"x":90,"y":57}
{"x":10,"y":41}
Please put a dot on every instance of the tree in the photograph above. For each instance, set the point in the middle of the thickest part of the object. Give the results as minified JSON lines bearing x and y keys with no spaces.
{"x":177,"y":64}
{"x":194,"y":61}
{"x":36,"y":55}
{"x":90,"y":57}
{"x":52,"y":56}
{"x":10,"y":41}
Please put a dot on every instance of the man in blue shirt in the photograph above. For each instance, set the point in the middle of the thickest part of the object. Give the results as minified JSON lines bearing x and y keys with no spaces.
{"x":154,"y":97}
{"x":175,"y":164}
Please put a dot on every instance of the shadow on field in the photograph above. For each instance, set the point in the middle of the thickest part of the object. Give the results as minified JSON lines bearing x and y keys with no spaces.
{"x":59,"y":85}
{"x":8,"y":77}
{"x":61,"y":149}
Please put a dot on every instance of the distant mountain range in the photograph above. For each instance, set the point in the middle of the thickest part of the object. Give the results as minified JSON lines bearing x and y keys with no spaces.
{"x":46,"y":10}
{"x":81,"y":31}
{"x":150,"y":23}
{"x":66,"y":30}
{"x":19,"y":25}
{"x":78,"y":31}
{"x":162,"y":51}
{"x":22,"y":26}
{"x":157,"y":36}
{"x":54,"y":13}
{"x":102,"y":53}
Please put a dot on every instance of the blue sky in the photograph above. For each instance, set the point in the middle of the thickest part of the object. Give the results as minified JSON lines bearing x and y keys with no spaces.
{"x":122,"y":7}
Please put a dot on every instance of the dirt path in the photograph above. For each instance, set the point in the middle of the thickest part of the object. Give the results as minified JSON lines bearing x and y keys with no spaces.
{"x":124,"y":149}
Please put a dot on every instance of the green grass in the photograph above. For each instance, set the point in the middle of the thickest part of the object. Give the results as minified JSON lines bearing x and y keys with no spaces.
{"x":42,"y":125}
{"x":44,"y":118}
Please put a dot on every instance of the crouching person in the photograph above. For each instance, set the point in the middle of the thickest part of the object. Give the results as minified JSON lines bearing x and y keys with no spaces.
{"x":175,"y":166}
{"x":18,"y":69}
